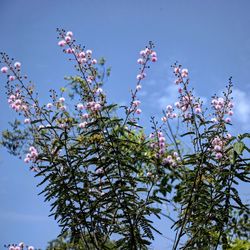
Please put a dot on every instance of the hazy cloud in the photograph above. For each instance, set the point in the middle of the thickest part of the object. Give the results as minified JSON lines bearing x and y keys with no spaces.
{"x":242,"y":107}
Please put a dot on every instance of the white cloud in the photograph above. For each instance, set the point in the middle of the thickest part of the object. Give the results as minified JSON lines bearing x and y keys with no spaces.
{"x":242,"y":107}
{"x":170,"y":96}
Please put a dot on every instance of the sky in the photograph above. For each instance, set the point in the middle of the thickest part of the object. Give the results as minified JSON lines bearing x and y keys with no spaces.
{"x":210,"y":38}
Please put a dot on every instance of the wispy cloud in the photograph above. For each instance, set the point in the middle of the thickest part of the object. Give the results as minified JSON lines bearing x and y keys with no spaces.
{"x":242,"y":107}
{"x":168,"y":96}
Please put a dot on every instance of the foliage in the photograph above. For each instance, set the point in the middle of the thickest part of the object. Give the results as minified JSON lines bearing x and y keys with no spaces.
{"x":104,"y":176}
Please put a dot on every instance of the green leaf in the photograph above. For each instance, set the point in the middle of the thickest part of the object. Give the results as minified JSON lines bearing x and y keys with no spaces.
{"x":239,"y":147}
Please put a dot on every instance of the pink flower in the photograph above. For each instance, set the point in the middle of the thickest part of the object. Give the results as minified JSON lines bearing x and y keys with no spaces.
{"x":198,"y":110}
{"x":97,"y":106}
{"x":31,"y":248}
{"x":214,"y":102}
{"x":153,"y":54}
{"x":138,"y":87}
{"x":183,"y":108}
{"x":82,"y":60}
{"x":230,"y":105}
{"x":162,"y":139}
{"x":89,"y":52}
{"x":136,"y":103}
{"x":228,"y":136}
{"x":26,"y":160}
{"x":177,"y":81}
{"x":147,"y":51}
{"x":176,"y":70}
{"x":140,"y":61}
{"x":139,"y":77}
{"x":220,"y":101}
{"x":27,"y":121}
{"x":69,"y":33}
{"x":4,"y":69}
{"x":85,"y":116}
{"x":143,"y":53}
{"x":82,"y":124}
{"x":12,"y":78}
{"x":175,"y":154}
{"x":217,"y":148}
{"x":218,"y":155}
{"x":231,"y":112}
{"x":151,"y":135}
{"x":69,"y":51}
{"x":21,"y":244}
{"x":217,"y":107}
{"x":138,"y":111}
{"x":81,"y":54}
{"x":63,"y":108}
{"x":161,"y":151}
{"x":228,"y":120}
{"x":169,"y":108}
{"x":99,"y":90}
{"x":184,"y":73}
{"x":180,"y":90}
{"x":149,"y":174}
{"x":154,"y":59}
{"x":94,"y":61}
{"x":61,"y":99}
{"x":12,"y":97}
{"x":169,"y":159}
{"x":164,"y":118}
{"x":62,"y":125}
{"x":80,"y":106}
{"x":177,"y":105}
{"x":61,"y":43}
{"x":67,"y":39}
{"x":160,"y":134}
{"x":188,"y":116}
{"x":214,"y":120}
{"x":49,"y":105}
{"x":17,"y":65}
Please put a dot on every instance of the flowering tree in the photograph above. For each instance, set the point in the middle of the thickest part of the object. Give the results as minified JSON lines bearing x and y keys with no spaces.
{"x":104,"y":176}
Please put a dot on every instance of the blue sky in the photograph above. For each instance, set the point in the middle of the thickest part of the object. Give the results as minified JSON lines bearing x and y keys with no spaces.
{"x":210,"y":38}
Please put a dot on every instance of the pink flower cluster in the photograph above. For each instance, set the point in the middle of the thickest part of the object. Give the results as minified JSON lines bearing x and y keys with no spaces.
{"x":217,"y":147}
{"x":159,"y":143}
{"x":5,"y":69}
{"x":82,"y":124}
{"x":32,"y":155}
{"x":86,"y":57}
{"x":172,"y":159}
{"x":169,"y":113}
{"x":67,"y":39}
{"x":185,"y":104}
{"x":222,"y":107}
{"x":16,"y":103}
{"x":146,"y":54}
{"x":20,"y":246}
{"x":82,"y":56}
{"x":93,"y":106}
{"x":135,"y":106}
{"x":61,"y":105}
{"x":180,"y":73}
